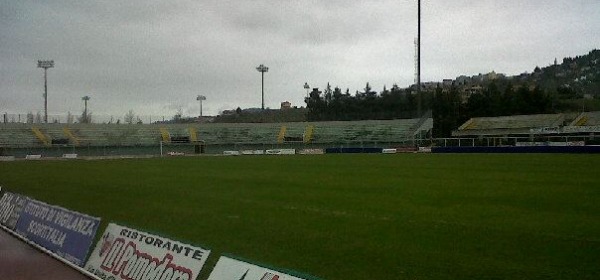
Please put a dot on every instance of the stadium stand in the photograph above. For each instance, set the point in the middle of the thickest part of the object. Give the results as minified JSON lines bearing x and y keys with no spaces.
{"x":308,"y":133}
{"x":424,"y":126}
{"x":587,"y":119}
{"x":18,"y":135}
{"x":74,"y":139}
{"x":281,"y":135}
{"x":508,"y":125}
{"x":587,"y":123}
{"x":115,"y":135}
{"x":165,"y":135}
{"x":567,"y":129}
{"x":295,"y":133}
{"x":21,"y":135}
{"x":193,"y":134}
{"x":41,"y":136}
{"x":365,"y":131}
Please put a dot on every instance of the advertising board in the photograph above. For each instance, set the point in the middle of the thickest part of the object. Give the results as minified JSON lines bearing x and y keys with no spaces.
{"x":11,"y":206}
{"x":281,"y":152}
{"x":125,"y":253}
{"x":66,"y":233}
{"x":7,"y":158}
{"x":389,"y":151}
{"x":312,"y":152}
{"x":229,"y":268}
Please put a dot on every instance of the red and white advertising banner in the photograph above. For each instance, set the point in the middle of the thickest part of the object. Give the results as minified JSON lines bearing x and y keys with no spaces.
{"x":125,"y":253}
{"x":232,"y":269}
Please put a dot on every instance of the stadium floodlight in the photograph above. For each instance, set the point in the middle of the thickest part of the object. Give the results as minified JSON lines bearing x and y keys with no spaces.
{"x":85,"y":114}
{"x":45,"y":64}
{"x":419,"y":58}
{"x":306,"y":87}
{"x":201,"y":98}
{"x":262,"y":69}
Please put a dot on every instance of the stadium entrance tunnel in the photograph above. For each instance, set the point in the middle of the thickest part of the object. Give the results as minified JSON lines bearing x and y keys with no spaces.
{"x":200,"y":148}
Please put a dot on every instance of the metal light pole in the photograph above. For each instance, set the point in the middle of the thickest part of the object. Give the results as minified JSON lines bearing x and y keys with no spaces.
{"x":419,"y":58}
{"x":306,"y":87}
{"x":201,"y":98}
{"x":85,"y":114}
{"x":45,"y":64}
{"x":262,"y":69}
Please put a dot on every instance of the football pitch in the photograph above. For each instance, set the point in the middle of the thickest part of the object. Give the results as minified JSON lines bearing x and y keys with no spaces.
{"x":404,"y":216}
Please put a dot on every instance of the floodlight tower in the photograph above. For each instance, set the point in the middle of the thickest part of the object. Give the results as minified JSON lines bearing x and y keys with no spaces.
{"x":419,"y":58}
{"x":201,"y":98}
{"x":262,"y":69}
{"x":45,"y":64}
{"x":306,"y":87}
{"x":85,"y":113}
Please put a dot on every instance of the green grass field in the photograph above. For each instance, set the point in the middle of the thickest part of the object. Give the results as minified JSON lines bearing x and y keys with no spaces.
{"x":406,"y":216}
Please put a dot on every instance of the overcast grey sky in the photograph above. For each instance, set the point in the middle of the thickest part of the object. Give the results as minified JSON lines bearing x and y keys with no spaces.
{"x":157,"y":56}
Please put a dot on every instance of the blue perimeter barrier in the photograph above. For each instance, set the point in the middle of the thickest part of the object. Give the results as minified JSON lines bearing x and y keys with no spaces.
{"x":353,"y":150}
{"x":520,"y":149}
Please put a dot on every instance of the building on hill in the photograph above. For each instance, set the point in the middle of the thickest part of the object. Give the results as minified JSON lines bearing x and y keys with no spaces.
{"x":286,"y":105}
{"x":468,"y":91}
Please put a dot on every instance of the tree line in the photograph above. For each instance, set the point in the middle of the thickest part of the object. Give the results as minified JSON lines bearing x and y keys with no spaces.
{"x":337,"y":105}
{"x":450,"y":106}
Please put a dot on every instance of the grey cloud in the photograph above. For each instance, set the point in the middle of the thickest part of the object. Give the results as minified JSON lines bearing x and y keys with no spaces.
{"x":153,"y":56}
